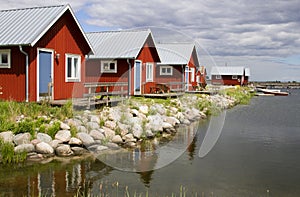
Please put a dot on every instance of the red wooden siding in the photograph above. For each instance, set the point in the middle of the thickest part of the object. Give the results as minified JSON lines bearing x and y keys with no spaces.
{"x":12,"y":80}
{"x":176,"y":77}
{"x":226,"y":80}
{"x":192,"y":64}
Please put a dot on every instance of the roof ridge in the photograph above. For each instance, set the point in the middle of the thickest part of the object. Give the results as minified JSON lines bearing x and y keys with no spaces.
{"x":176,"y":43}
{"x":117,"y":31}
{"x":36,"y":7}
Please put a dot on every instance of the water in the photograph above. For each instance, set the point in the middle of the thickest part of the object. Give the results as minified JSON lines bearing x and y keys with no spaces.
{"x":257,"y":154}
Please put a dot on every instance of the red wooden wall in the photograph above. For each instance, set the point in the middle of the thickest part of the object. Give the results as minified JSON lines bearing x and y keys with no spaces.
{"x":226,"y":80}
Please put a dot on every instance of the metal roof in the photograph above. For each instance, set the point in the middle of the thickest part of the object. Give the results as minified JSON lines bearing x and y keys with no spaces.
{"x":219,"y":70}
{"x":175,"y":53}
{"x":247,"y":72}
{"x":26,"y":26}
{"x":118,"y":44}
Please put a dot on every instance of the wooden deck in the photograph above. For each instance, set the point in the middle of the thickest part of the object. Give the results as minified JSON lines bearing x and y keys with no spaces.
{"x":163,"y":95}
{"x":208,"y":92}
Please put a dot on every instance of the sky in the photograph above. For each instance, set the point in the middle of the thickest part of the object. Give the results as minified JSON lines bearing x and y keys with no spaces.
{"x":263,"y":35}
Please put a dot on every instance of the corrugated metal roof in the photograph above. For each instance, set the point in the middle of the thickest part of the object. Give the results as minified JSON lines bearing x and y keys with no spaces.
{"x":247,"y":72}
{"x":26,"y":26}
{"x":118,"y":44}
{"x":175,"y":53}
{"x":219,"y":70}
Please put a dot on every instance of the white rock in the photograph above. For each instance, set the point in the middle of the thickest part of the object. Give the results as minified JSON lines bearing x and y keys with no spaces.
{"x":22,"y":138}
{"x":75,"y":141}
{"x":44,"y":148}
{"x":43,"y":137}
{"x":86,"y":139}
{"x":117,"y":139}
{"x":124,"y":129}
{"x":172,"y":120}
{"x":144,"y":109}
{"x":166,"y":125}
{"x":55,"y":143}
{"x":97,"y":135}
{"x":108,"y":133}
{"x":64,"y":126}
{"x":134,"y":112}
{"x":97,"y":148}
{"x":7,"y":136}
{"x":25,"y":148}
{"x":149,"y":133}
{"x":110,"y":124}
{"x":78,"y":150}
{"x":129,"y":138}
{"x":94,"y":118}
{"x":137,"y":131}
{"x":63,"y":135}
{"x":92,"y":126}
{"x":82,"y":129}
{"x":63,"y":150}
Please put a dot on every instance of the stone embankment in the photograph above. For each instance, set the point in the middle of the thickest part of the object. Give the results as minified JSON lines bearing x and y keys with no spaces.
{"x":115,"y":127}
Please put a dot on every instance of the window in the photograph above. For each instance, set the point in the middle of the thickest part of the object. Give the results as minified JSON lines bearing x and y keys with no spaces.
{"x":218,"y":77}
{"x":149,"y":72}
{"x":192,"y":74}
{"x":5,"y":58}
{"x":109,"y":66}
{"x":166,"y":70}
{"x":73,"y":64}
{"x":234,"y":77}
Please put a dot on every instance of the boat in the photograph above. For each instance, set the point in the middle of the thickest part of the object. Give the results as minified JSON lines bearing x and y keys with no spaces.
{"x":274,"y":92}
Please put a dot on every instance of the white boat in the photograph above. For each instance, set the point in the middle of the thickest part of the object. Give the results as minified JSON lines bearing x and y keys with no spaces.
{"x":274,"y":92}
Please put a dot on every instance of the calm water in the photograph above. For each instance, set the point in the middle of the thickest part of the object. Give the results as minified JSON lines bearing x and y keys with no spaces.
{"x":258,"y":150}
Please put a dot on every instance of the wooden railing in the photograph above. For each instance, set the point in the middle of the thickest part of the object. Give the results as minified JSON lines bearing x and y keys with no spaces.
{"x":106,"y":89}
{"x":163,"y":88}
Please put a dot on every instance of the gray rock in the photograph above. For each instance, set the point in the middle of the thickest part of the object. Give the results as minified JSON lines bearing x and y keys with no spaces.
{"x":117,"y":139}
{"x":86,"y":139}
{"x":63,"y":135}
{"x":155,"y":123}
{"x":92,"y":126}
{"x":124,"y":129}
{"x":64,"y":126}
{"x":25,"y":148}
{"x":129,"y":138}
{"x":97,"y":135}
{"x":149,"y":134}
{"x":82,"y":129}
{"x":108,"y":133}
{"x":73,"y":122}
{"x":114,"y":114}
{"x":35,"y":142}
{"x":97,"y":148}
{"x":186,"y":122}
{"x":110,"y":124}
{"x":166,"y":125}
{"x":7,"y":136}
{"x":172,"y":120}
{"x":137,"y":131}
{"x":43,"y":137}
{"x":112,"y":145}
{"x":64,"y":151}
{"x":34,"y":156}
{"x":159,"y":108}
{"x":22,"y":138}
{"x":134,"y":112}
{"x":144,"y":109}
{"x":44,"y":148}
{"x":94,"y":118}
{"x":55,"y":143}
{"x":75,"y":141}
{"x":78,"y":151}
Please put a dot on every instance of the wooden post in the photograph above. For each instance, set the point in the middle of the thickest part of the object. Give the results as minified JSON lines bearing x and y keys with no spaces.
{"x":107,"y":96}
{"x":89,"y":98}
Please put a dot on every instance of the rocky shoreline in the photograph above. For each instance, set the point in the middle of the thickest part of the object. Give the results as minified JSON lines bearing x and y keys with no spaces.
{"x":114,"y":127}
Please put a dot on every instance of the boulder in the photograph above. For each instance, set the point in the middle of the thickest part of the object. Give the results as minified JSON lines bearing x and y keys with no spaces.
{"x":64,"y":151}
{"x":92,"y":126}
{"x":97,"y":135}
{"x":172,"y":120}
{"x":43,"y":137}
{"x":137,"y":131}
{"x":34,"y":156}
{"x":75,"y":141}
{"x":25,"y":148}
{"x":159,"y":108}
{"x":129,"y":138}
{"x":110,"y":124}
{"x":22,"y":138}
{"x":108,"y":133}
{"x":78,"y":151}
{"x":97,"y":148}
{"x":124,"y":129}
{"x":167,"y":125}
{"x":35,"y":142}
{"x":82,"y":129}
{"x":134,"y":112}
{"x":63,"y":135}
{"x":155,"y":123}
{"x":149,"y":134}
{"x":144,"y":109}
{"x":117,"y":139}
{"x":112,"y":145}
{"x":44,"y":148}
{"x":7,"y":136}
{"x":94,"y":118}
{"x":55,"y":143}
{"x":74,"y":122}
{"x":64,"y":126}
{"x":86,"y":139}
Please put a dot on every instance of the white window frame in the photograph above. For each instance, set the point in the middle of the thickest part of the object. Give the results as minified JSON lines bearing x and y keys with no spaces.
{"x":5,"y":52}
{"x":166,"y":68}
{"x":149,"y":72}
{"x":218,"y":77}
{"x":73,"y":77}
{"x":104,"y":70}
{"x":192,"y":71}
{"x":234,"y":76}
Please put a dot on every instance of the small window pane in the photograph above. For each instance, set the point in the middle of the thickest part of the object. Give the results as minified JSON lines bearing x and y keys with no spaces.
{"x":106,"y":66}
{"x":69,"y":67}
{"x":75,"y":67}
{"x":169,"y":70}
{"x":112,"y":66}
{"x":163,"y":70}
{"x":4,"y":58}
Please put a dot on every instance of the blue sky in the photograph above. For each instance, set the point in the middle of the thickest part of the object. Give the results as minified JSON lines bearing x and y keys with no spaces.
{"x":263,"y":35}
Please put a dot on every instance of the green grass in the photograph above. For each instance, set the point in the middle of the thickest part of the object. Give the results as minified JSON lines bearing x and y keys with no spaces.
{"x":241,"y":94}
{"x":8,"y":155}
